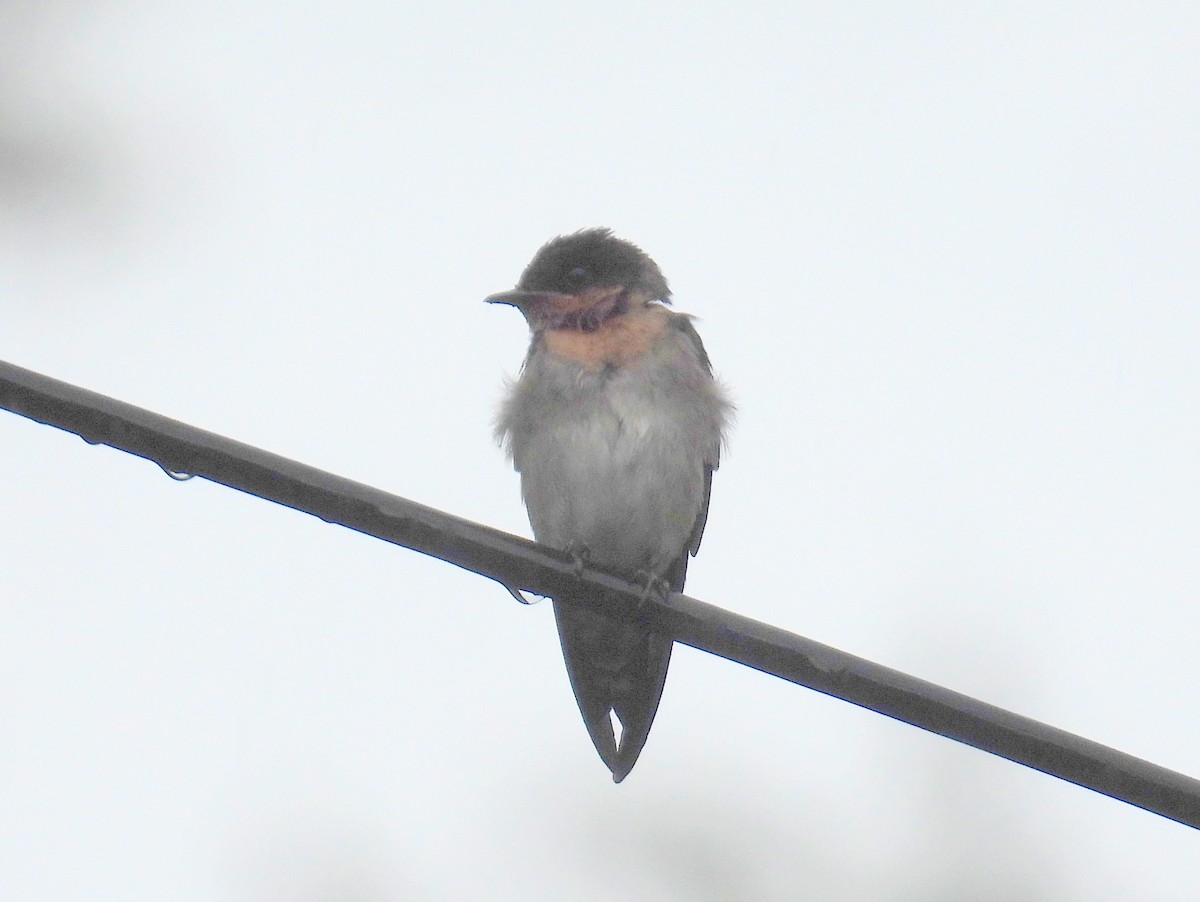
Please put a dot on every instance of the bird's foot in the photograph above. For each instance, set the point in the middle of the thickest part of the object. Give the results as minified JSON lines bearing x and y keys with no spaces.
{"x":581,"y":556}
{"x":653,"y":587}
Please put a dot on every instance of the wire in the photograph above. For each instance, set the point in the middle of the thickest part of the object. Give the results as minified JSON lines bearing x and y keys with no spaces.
{"x":520,"y":565}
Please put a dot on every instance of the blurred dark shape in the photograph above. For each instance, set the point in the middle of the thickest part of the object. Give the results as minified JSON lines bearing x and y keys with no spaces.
{"x":58,"y":158}
{"x":47,"y":175}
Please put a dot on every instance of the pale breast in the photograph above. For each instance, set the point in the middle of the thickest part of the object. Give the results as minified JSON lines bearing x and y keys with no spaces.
{"x":614,"y":456}
{"x":627,"y":489}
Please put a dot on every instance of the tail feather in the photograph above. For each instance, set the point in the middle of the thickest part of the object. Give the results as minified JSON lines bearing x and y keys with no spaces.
{"x":618,"y":668}
{"x":636,"y":709}
{"x":615,"y":667}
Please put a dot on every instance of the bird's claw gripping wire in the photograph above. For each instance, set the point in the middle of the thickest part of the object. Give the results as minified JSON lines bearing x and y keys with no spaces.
{"x":581,"y":556}
{"x":653,"y":587}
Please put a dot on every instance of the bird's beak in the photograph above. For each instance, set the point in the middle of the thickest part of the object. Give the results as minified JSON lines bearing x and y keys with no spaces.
{"x":516,"y":297}
{"x":554,"y":309}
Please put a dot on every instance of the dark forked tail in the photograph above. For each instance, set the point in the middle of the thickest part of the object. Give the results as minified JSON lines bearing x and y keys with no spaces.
{"x":615,"y":667}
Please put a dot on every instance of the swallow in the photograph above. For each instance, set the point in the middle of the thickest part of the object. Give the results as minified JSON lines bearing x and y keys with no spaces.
{"x":615,"y":426}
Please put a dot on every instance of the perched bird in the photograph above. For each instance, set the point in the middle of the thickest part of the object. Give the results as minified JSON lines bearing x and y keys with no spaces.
{"x":615,"y":425}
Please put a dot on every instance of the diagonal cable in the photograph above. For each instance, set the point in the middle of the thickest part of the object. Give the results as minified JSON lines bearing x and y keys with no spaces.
{"x":518,"y":564}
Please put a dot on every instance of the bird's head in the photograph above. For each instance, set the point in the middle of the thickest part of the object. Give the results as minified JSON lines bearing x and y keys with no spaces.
{"x":581,"y":280}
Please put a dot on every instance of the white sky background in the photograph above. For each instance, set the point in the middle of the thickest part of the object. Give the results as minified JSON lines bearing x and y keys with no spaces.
{"x":947,"y":260}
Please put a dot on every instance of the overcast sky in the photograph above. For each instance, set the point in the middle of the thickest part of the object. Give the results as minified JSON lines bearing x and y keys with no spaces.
{"x":944,"y":255}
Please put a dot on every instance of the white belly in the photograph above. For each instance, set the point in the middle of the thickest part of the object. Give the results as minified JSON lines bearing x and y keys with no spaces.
{"x":621,"y":479}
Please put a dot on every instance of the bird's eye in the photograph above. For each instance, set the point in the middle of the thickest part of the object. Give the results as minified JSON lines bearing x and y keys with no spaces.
{"x":578,"y":274}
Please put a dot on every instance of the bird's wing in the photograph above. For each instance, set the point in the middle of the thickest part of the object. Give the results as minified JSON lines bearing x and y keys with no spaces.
{"x":712,"y":460}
